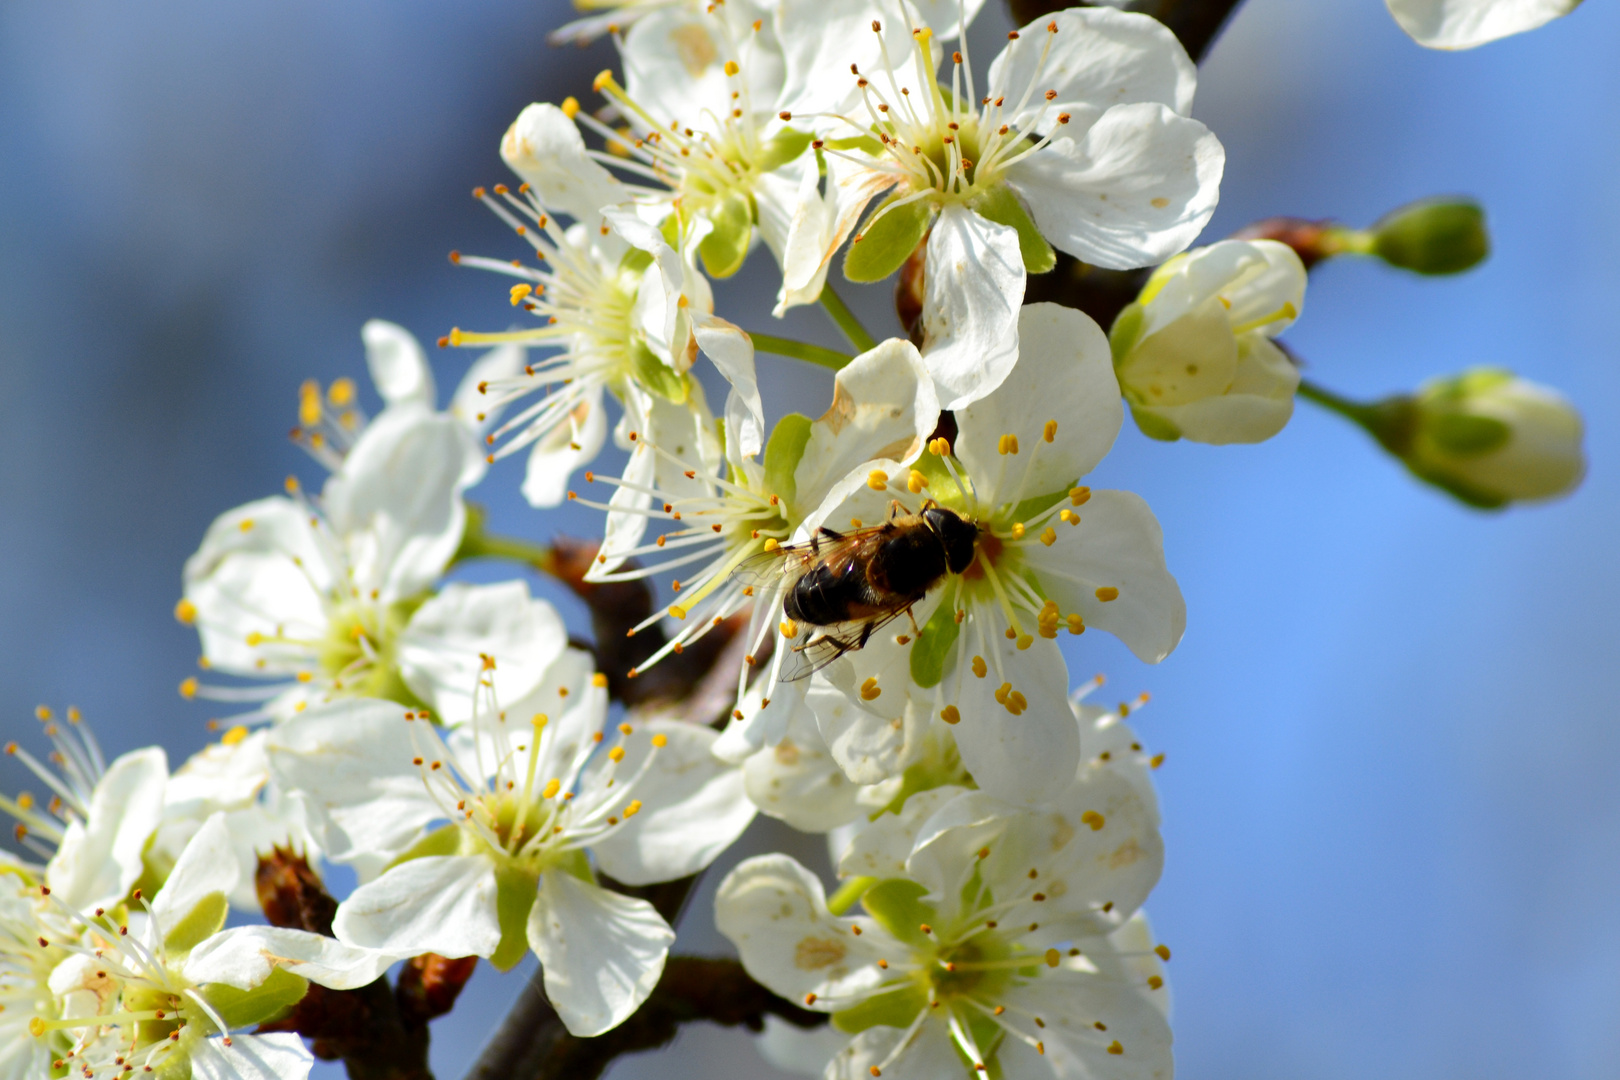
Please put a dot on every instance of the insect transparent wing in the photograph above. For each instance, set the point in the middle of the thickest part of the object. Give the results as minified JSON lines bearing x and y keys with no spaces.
{"x":818,"y":646}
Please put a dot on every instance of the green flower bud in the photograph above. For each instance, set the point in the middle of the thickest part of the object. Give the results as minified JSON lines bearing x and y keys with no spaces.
{"x":1432,"y":236}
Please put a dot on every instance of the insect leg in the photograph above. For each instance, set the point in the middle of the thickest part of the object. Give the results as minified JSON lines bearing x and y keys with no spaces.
{"x":916,"y":631}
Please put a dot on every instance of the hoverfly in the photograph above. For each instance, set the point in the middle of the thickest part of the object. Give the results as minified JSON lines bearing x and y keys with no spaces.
{"x":844,"y":587}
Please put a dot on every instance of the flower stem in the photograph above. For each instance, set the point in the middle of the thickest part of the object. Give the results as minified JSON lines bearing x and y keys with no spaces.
{"x":1327,"y":399}
{"x":1392,"y":421}
{"x":846,"y":320}
{"x":476,"y":543}
{"x":798,"y":350}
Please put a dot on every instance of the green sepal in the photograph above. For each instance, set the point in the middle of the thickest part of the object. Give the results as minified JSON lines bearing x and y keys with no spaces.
{"x":1126,"y":332}
{"x":657,"y":376}
{"x":785,"y":146}
{"x":670,"y":230}
{"x":896,"y":1008}
{"x":1001,"y":204}
{"x":850,"y":891}
{"x":726,"y":246}
{"x":1037,"y":505}
{"x":1463,"y":492}
{"x":867,"y":144}
{"x":203,"y":921}
{"x":636,"y":261}
{"x":1465,"y":435}
{"x":514,"y":898}
{"x":1155,"y":426}
{"x":270,"y":1000}
{"x":444,"y":841}
{"x":1433,"y":236}
{"x":942,"y":487}
{"x":933,"y":646}
{"x":884,"y":243}
{"x":783,"y":451}
{"x":897,"y":905}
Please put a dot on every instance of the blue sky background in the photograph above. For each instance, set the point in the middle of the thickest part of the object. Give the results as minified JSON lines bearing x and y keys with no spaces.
{"x":1389,"y":799}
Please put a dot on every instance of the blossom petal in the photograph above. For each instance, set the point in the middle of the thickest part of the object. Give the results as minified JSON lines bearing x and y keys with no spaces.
{"x":1065,"y":374}
{"x":732,"y":352}
{"x":928,"y":1054}
{"x":1073,"y":1005}
{"x":399,"y":367}
{"x":441,"y":651}
{"x":1465,"y":24}
{"x":1133,"y":190}
{"x":775,"y":912}
{"x":692,"y":806}
{"x":99,"y":859}
{"x":974,"y":284}
{"x":801,"y":241}
{"x":1116,"y":550}
{"x":1098,"y":58}
{"x":797,"y":780}
{"x":206,"y":865}
{"x":545,"y":148}
{"x":471,"y":405}
{"x":881,"y":849}
{"x":1028,"y":756}
{"x":279,"y":1056}
{"x":244,"y":956}
{"x":602,"y":951}
{"x":563,"y":449}
{"x":439,"y":903}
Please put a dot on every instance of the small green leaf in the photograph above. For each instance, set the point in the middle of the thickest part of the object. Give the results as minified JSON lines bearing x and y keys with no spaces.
{"x":657,"y":376}
{"x":1466,"y":435}
{"x":270,"y":1000}
{"x":887,"y":239}
{"x":897,"y":1008}
{"x":783,"y":450}
{"x":726,"y":246}
{"x":897,"y":905}
{"x":514,"y":898}
{"x":1001,"y":204}
{"x":200,"y":923}
{"x":933,"y":646}
{"x":784,"y":146}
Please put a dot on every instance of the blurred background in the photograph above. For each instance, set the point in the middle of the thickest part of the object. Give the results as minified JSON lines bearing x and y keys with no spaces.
{"x":1389,"y":800}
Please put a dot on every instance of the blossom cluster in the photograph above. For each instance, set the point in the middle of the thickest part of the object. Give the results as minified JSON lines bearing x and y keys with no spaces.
{"x":897,"y":576}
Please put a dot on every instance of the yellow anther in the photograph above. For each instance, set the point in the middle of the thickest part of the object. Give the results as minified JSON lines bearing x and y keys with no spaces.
{"x":1018,"y":530}
{"x":186,"y":612}
{"x":1049,"y":536}
{"x":519,"y":292}
{"x":660,"y":740}
{"x":916,"y":482}
{"x":256,"y":638}
{"x":1077,"y":625}
{"x":1094,"y":819}
{"x":940,"y":447}
{"x":616,"y":754}
{"x":731,"y":67}
{"x":1025,"y":641}
{"x":1107,"y":593}
{"x":1115,"y":1048}
{"x":870,"y":689}
{"x":188,"y":688}
{"x":1163,"y":952}
{"x":1155,"y":761}
{"x":789,"y":628}
{"x":1079,"y":496}
{"x":1007,"y":444}
{"x":599,"y":681}
{"x":25,"y":801}
{"x":1155,"y":982}
{"x":603,"y":78}
{"x":676,"y":611}
{"x":1068,"y":516}
{"x":246,"y":525}
{"x":290,"y":485}
{"x":1017,"y":703}
{"x":570,"y":106}
{"x":305,"y":676}
{"x":551,"y":789}
{"x":234,"y":736}
{"x":341,"y":393}
{"x":1002,"y":692}
{"x":1049,"y":433}
{"x":309,"y":403}
{"x":1053,"y":958}
{"x":633,"y":809}
{"x":979,"y":667}
{"x":771,"y":544}
{"x":951,"y":715}
{"x":877,"y":480}
{"x":540,"y":720}
{"x":626,"y":729}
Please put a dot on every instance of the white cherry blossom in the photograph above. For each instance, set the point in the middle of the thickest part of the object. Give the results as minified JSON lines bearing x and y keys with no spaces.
{"x":1465,"y":24}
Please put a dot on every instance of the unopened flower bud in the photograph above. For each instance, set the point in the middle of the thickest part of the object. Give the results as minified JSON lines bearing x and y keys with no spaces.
{"x":1194,"y":355}
{"x":1491,"y":438}
{"x":1432,"y":236}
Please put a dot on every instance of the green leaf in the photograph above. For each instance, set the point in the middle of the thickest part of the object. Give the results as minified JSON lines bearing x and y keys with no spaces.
{"x":514,"y":898}
{"x":444,"y":841}
{"x":270,"y":1000}
{"x":933,"y":646}
{"x":1466,"y":435}
{"x":784,"y":146}
{"x":783,"y":450}
{"x":657,"y":376}
{"x":897,"y":905}
{"x":200,"y":923}
{"x":1001,"y":204}
{"x":896,"y":1008}
{"x":726,"y":246}
{"x":887,"y":239}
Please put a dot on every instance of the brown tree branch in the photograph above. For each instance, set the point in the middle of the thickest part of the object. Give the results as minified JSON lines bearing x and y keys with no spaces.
{"x":692,"y":988}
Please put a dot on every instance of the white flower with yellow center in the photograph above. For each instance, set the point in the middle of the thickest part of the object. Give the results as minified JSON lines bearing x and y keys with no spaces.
{"x":1051,"y":555}
{"x":1194,"y":354}
{"x":1465,"y":24}
{"x":485,"y":829}
{"x":883,"y":406}
{"x":1081,"y":142}
{"x":1006,"y":943}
